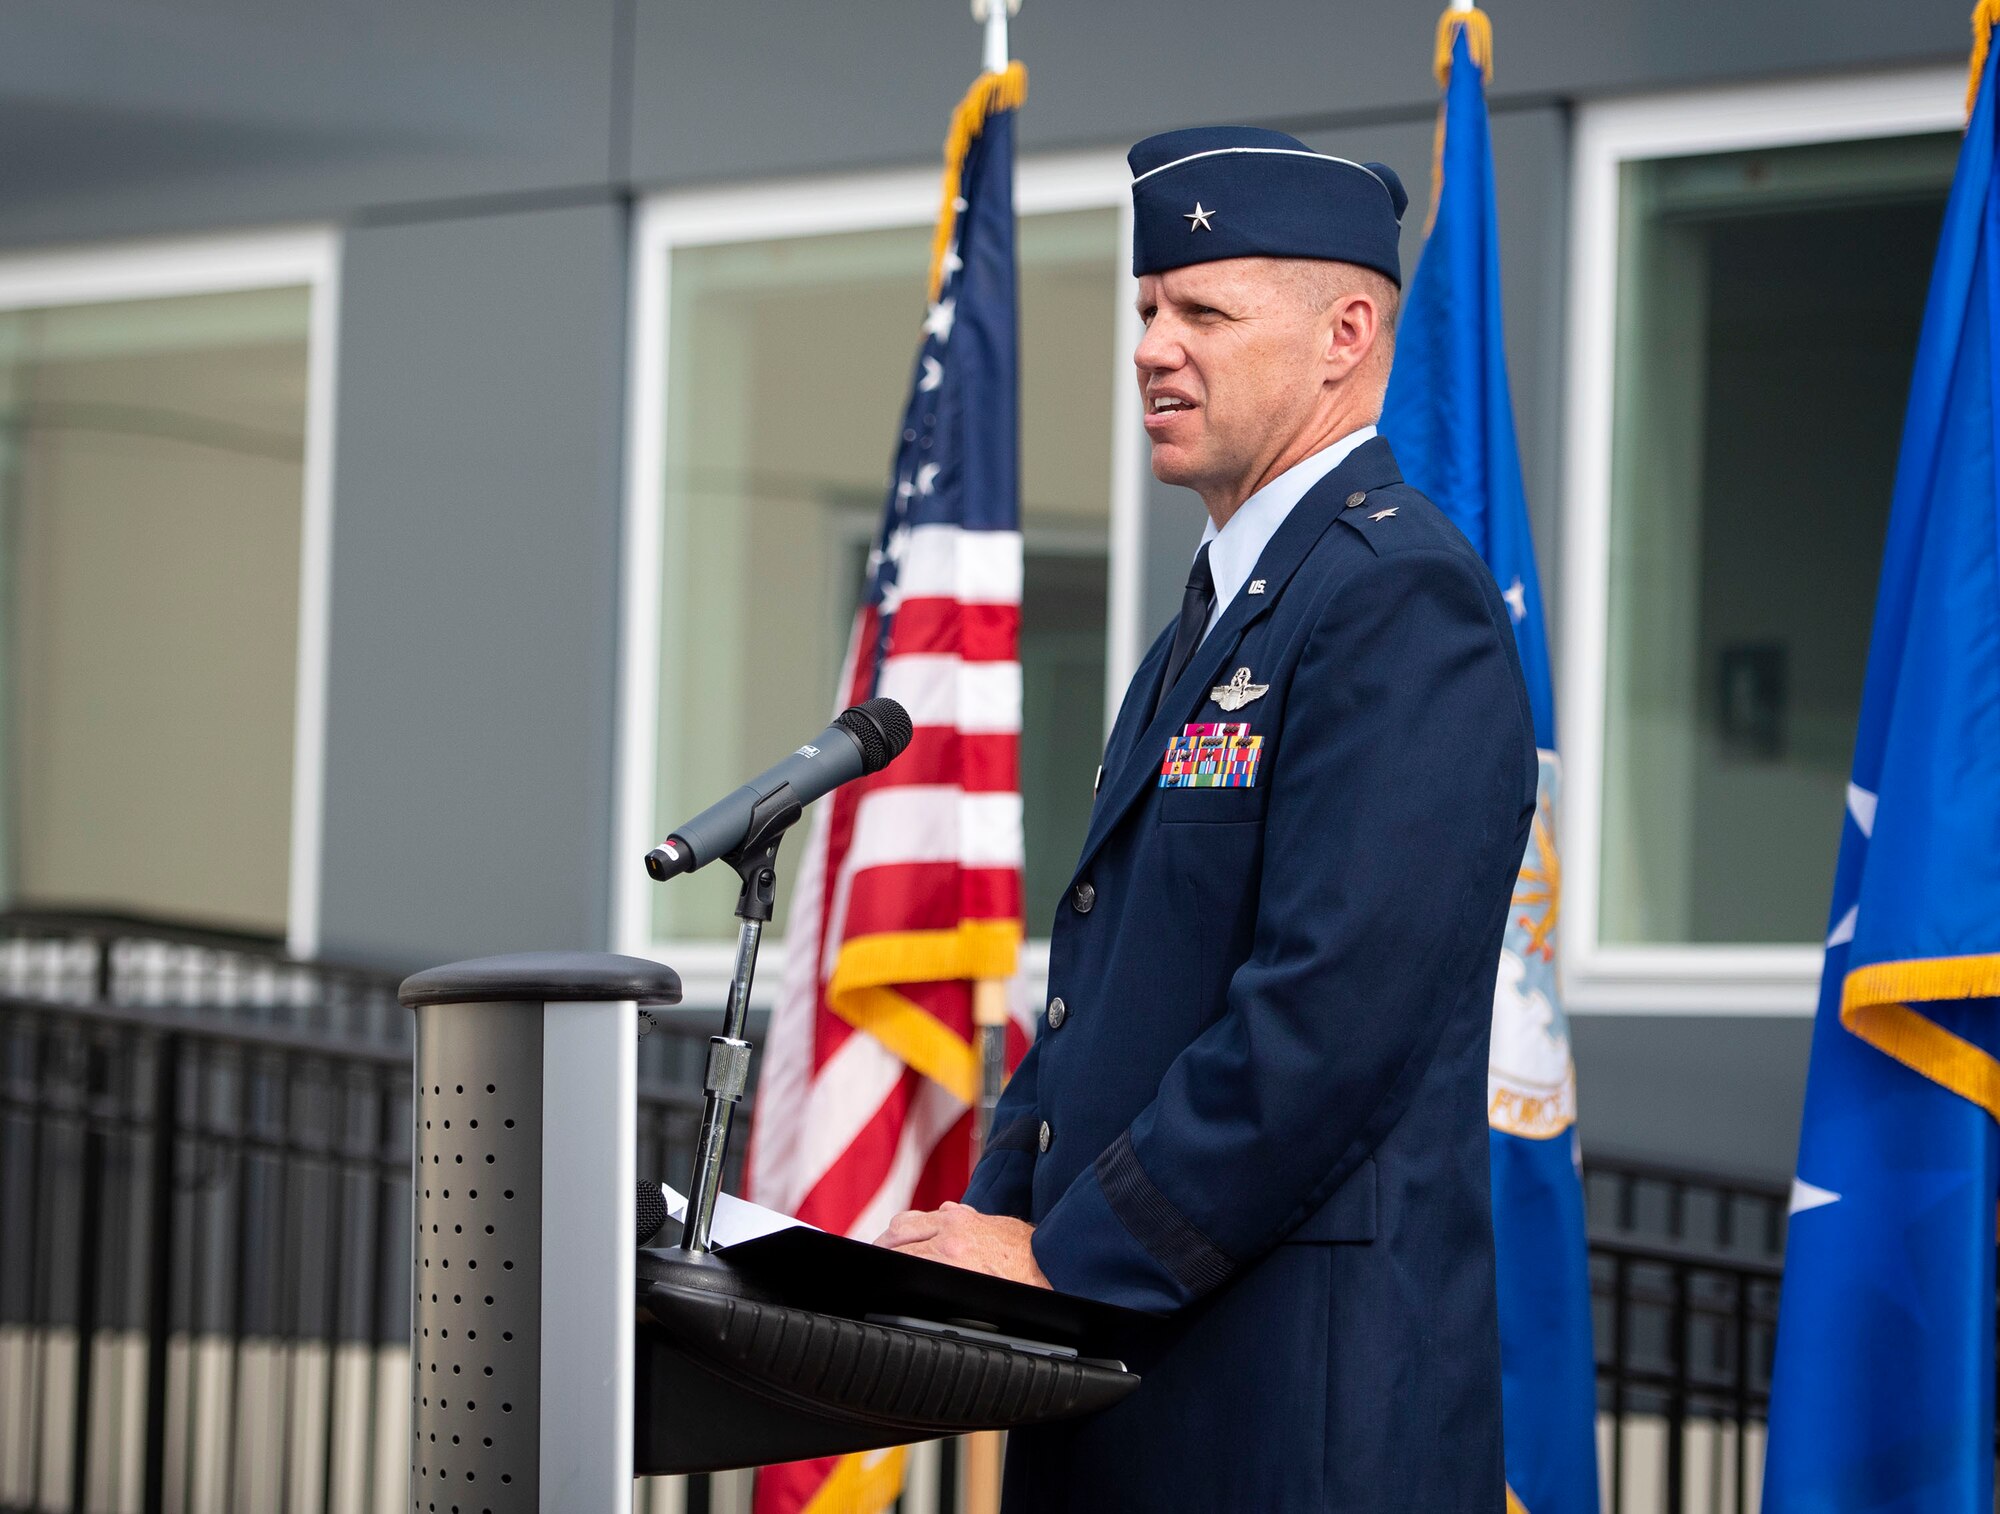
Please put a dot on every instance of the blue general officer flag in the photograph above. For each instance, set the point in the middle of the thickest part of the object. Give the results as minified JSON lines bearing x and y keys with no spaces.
{"x":1451,"y":420}
{"x":1882,"y":1396}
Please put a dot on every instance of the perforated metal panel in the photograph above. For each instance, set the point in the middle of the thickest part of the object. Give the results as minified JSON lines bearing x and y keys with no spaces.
{"x":476,"y":1321}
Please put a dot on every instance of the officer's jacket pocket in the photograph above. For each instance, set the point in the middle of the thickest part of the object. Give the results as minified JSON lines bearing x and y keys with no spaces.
{"x":1211,"y":806}
{"x":1348,"y":1215}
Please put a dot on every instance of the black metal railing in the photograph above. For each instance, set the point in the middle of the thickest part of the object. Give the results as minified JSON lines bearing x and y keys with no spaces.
{"x":204,"y":1174}
{"x":1684,"y":1272}
{"x":204,"y":1170}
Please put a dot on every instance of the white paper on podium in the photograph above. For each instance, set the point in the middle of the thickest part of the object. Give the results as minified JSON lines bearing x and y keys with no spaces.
{"x":736,"y":1220}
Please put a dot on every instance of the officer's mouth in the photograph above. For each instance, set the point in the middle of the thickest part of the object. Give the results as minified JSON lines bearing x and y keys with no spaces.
{"x":1165,"y":411}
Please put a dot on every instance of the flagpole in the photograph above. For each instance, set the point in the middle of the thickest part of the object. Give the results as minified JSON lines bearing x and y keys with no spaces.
{"x":989,"y":995}
{"x":994,"y":14}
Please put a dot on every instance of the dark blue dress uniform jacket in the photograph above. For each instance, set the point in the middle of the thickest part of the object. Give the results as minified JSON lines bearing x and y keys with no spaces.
{"x":1262,"y":1104}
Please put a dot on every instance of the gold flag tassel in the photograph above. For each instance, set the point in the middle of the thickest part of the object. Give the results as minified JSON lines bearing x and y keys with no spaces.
{"x":990,"y":94}
{"x":1478,"y":29}
{"x":1985,"y":16}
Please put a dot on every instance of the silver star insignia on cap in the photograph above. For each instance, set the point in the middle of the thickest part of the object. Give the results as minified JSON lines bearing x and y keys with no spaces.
{"x":1383,"y":514}
{"x":1199,"y":217}
{"x":1239,"y":691}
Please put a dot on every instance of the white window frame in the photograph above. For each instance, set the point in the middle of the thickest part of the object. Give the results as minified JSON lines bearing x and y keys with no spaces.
{"x":1776,"y":979}
{"x":271,"y":259}
{"x":1044,"y":184}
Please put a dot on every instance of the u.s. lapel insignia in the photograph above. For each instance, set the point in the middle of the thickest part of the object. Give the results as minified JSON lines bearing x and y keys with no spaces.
{"x":1256,"y":586}
{"x":1239,"y":691}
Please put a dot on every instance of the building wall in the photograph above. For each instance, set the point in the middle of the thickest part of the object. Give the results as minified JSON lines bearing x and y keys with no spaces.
{"x":482,"y":165}
{"x":473,"y":648}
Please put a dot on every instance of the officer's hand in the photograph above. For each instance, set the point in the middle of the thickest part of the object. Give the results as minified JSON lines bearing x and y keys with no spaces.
{"x":988,"y":1243}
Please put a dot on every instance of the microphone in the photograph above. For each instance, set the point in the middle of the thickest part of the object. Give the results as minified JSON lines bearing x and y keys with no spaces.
{"x":861,"y":740}
{"x":652,"y":1209}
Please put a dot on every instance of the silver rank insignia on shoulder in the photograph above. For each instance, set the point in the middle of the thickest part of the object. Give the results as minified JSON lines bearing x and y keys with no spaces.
{"x":1256,"y":586}
{"x":1239,"y":691}
{"x":1383,"y":514}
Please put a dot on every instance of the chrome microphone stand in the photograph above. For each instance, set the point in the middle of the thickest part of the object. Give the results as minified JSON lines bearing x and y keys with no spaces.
{"x":755,"y":862}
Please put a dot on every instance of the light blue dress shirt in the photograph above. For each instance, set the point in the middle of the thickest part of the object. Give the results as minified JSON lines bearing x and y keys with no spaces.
{"x":1233,"y":551}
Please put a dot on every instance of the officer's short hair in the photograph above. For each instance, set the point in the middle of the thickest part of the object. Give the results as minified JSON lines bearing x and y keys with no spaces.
{"x":1320,"y":282}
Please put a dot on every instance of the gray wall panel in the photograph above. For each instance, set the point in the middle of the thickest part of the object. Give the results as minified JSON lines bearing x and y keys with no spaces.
{"x":136,"y":117}
{"x":470,"y":707}
{"x":1109,"y":70}
{"x":1718,"y":1092}
{"x":1531,"y":178}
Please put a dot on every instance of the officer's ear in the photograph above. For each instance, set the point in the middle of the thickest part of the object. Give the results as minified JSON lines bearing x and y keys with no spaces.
{"x":1350,"y":327}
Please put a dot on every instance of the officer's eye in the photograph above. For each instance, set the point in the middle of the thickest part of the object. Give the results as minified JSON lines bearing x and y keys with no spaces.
{"x":1146,"y":314}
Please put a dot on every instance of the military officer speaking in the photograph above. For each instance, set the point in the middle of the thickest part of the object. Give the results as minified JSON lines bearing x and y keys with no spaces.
{"x":1257,"y":1102}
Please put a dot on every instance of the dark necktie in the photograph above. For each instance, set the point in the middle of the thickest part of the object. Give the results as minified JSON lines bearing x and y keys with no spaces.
{"x":1195,"y":606}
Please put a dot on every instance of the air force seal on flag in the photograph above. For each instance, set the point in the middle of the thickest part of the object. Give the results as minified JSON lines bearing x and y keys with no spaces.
{"x":1530,"y":1080}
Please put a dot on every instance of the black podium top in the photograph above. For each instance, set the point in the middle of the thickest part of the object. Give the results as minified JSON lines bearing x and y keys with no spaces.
{"x":543,"y":978}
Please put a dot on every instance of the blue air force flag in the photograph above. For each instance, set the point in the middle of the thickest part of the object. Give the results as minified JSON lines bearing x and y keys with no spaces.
{"x":1451,"y":420}
{"x":1882,"y":1395}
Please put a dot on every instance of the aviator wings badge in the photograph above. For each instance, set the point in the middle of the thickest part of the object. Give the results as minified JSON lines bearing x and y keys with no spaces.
{"x":1239,"y":691}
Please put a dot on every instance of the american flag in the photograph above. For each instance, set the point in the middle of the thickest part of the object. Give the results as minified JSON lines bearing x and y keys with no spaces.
{"x":910,"y":889}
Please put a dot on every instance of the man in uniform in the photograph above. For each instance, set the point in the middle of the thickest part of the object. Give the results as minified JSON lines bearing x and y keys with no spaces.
{"x":1257,"y":1103}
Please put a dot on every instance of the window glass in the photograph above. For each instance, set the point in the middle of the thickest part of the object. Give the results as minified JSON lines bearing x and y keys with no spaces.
{"x":787,"y":367}
{"x":1768,"y":307}
{"x":151,"y":479}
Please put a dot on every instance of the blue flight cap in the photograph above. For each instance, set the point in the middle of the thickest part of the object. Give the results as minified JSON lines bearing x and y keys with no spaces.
{"x":1214,"y":192}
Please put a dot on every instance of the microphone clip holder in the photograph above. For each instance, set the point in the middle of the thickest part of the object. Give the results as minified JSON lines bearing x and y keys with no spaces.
{"x":755,"y":862}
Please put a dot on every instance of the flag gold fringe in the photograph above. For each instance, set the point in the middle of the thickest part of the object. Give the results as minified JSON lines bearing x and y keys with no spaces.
{"x":990,"y":94}
{"x":1478,"y":29}
{"x":1875,"y":1004}
{"x":1514,"y":1504}
{"x":862,"y":1482}
{"x":863,"y":991}
{"x":1985,"y":16}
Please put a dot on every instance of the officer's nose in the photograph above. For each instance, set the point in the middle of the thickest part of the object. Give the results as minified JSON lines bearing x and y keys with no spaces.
{"x":1159,"y":351}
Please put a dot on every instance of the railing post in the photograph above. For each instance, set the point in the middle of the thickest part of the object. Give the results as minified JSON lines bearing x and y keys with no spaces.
{"x":1621,"y":1281}
{"x":90,"y":1229}
{"x":1678,"y":1400}
{"x":1742,"y":1386}
{"x":159,"y":1265}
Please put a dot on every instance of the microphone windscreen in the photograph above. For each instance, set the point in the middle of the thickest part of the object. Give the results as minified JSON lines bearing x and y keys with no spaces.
{"x":881,"y":728}
{"x":652,"y":1208}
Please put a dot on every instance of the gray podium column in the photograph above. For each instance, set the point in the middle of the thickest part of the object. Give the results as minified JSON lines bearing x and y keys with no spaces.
{"x":522,"y":1274}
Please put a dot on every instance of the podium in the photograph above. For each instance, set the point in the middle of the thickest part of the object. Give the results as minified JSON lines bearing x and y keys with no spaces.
{"x":554,"y":1356}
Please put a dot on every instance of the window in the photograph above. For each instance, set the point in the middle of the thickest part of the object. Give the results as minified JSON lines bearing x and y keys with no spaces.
{"x":763,"y":437}
{"x":1760,"y":311}
{"x":154,"y":462}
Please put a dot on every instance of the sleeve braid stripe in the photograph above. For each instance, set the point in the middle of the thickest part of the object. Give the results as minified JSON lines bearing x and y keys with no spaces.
{"x":1196,"y":1263}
